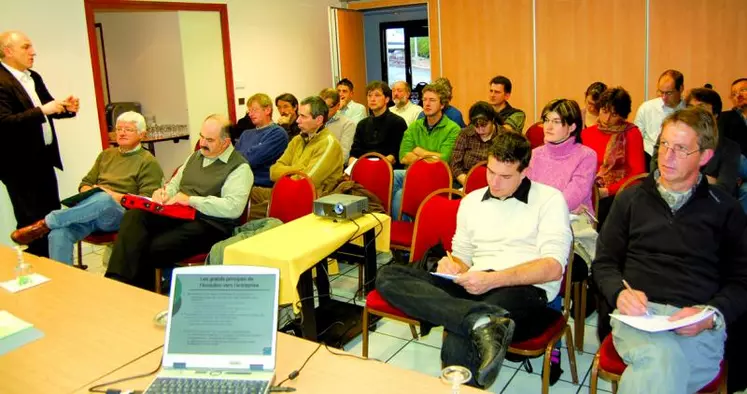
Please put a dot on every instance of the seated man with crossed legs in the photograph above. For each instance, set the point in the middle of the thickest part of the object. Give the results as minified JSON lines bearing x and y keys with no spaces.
{"x":510,"y":249}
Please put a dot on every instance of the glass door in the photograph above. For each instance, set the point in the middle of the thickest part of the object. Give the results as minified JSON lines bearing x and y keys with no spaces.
{"x":405,"y":52}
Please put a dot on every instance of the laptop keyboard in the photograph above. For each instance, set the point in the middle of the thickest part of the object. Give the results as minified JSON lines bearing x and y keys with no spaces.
{"x":206,"y":386}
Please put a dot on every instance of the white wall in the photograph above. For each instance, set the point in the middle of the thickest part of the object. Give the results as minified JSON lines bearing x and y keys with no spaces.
{"x":144,"y":64}
{"x":200,"y":38}
{"x":277,"y":46}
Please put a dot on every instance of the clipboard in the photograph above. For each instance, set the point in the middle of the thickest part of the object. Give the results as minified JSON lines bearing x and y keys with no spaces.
{"x":76,"y":199}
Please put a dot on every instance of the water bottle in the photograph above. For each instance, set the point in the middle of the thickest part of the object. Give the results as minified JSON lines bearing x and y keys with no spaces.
{"x":23,"y":269}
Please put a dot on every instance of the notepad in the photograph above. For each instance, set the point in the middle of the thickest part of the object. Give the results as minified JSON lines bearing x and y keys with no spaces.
{"x":658,"y":323}
{"x":10,"y":324}
{"x":445,"y":276}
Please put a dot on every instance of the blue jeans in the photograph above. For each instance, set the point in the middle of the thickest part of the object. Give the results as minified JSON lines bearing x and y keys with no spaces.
{"x":665,"y":362}
{"x":98,"y":212}
{"x":397,"y":188}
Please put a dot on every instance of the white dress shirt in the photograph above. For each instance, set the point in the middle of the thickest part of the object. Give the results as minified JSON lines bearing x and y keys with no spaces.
{"x":494,"y":234}
{"x":24,"y":78}
{"x":409,"y":112}
{"x":648,"y":119}
{"x":354,"y":111}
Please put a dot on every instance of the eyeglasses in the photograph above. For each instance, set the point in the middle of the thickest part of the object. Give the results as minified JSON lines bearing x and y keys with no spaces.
{"x":738,"y":92}
{"x":679,"y":150}
{"x":480,"y":123}
{"x":126,"y":129}
{"x":667,"y":93}
{"x":555,"y":122}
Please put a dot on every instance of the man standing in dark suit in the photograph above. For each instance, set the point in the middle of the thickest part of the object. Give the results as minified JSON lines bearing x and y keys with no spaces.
{"x":26,"y":113}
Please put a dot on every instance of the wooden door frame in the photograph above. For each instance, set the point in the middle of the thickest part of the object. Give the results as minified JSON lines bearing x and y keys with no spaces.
{"x":92,"y":6}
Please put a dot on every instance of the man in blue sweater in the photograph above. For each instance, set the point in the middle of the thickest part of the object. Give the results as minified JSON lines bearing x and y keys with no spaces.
{"x":263,"y":145}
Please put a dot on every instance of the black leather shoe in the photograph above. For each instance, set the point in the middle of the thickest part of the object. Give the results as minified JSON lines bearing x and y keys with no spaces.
{"x":491,"y":341}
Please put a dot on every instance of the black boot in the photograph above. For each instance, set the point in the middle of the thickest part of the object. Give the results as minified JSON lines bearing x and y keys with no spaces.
{"x":491,"y":341}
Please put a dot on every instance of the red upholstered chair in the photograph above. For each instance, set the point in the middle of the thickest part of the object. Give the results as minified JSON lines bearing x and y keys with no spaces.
{"x":374,"y":172}
{"x":422,"y":178}
{"x":545,"y":342}
{"x":609,"y":366}
{"x":536,"y":135}
{"x":292,"y":197}
{"x":96,"y":238}
{"x":435,"y":222}
{"x":477,"y":177}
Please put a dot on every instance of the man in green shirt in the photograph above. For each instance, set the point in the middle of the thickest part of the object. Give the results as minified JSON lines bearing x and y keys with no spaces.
{"x":215,"y":181}
{"x":433,"y":135}
{"x":127,"y":168}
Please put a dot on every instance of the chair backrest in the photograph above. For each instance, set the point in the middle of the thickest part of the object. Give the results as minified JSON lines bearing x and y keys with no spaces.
{"x":374,"y":172}
{"x":435,"y":221}
{"x":565,"y":284}
{"x":632,"y":181}
{"x":292,"y":197}
{"x":477,"y":177}
{"x":536,"y":135}
{"x":422,"y":178}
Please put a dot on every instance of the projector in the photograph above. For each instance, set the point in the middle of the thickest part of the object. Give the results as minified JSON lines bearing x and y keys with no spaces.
{"x":340,"y":206}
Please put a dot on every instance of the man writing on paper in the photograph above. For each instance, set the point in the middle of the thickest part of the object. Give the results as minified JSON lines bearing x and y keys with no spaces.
{"x":680,"y":243}
{"x":215,"y":181}
{"x":127,"y":168}
{"x":26,"y":111}
{"x":509,"y":251}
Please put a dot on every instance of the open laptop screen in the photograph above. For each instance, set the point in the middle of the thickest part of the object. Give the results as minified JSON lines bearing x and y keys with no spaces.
{"x":222,"y":314}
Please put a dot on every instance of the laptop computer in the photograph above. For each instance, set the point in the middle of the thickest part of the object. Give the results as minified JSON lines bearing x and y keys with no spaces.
{"x":221,"y":333}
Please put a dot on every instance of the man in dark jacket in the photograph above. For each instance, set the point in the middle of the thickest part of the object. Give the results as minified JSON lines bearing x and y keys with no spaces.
{"x":680,"y":244}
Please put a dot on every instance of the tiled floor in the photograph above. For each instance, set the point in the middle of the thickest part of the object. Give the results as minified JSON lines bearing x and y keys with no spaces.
{"x":392,"y":342}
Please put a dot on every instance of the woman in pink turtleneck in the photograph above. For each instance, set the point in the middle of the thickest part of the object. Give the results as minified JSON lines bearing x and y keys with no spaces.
{"x":563,"y":162}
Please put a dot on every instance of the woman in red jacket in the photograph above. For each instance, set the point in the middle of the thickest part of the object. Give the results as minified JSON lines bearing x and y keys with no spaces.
{"x":618,"y":144}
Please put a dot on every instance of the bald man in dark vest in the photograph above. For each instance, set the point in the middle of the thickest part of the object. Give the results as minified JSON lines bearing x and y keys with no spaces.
{"x":215,"y":180}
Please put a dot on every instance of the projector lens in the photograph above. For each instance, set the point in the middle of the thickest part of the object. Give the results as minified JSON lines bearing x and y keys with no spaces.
{"x":339,"y":209}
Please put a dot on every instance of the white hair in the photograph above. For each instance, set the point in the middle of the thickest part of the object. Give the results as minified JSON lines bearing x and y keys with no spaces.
{"x":133,"y":117}
{"x":405,"y":84}
{"x":6,"y":40}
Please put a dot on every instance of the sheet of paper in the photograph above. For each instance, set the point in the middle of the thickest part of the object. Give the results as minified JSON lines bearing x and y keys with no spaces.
{"x":657,"y":323}
{"x":349,"y":168}
{"x":445,"y":276}
{"x":34,"y":280}
{"x":10,"y":324}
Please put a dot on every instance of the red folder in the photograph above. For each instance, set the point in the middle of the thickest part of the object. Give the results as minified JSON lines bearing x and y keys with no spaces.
{"x":131,"y":201}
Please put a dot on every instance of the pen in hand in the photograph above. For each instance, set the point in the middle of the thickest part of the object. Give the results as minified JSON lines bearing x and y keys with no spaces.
{"x":627,"y":286}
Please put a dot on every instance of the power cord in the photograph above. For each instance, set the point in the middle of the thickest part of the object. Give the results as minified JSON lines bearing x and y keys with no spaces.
{"x":294,"y":374}
{"x":98,"y":388}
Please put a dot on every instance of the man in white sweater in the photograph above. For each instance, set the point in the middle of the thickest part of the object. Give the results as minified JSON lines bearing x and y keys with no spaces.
{"x":510,"y":250}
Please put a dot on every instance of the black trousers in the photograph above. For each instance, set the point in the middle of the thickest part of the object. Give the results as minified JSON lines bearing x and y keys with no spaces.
{"x":147,"y":241}
{"x":33,"y":196}
{"x":441,"y":302}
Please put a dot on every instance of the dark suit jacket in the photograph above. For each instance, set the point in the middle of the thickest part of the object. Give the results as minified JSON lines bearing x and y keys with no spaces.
{"x":731,"y":125}
{"x":21,"y":128}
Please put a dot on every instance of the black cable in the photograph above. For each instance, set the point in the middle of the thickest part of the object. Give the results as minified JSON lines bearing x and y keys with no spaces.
{"x":296,"y":372}
{"x":349,"y":355}
{"x":97,"y":388}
